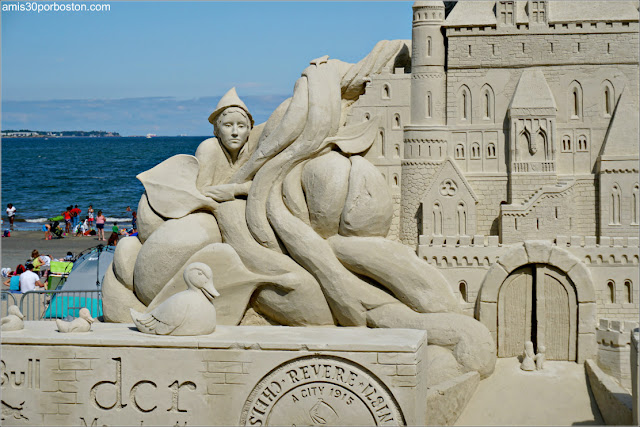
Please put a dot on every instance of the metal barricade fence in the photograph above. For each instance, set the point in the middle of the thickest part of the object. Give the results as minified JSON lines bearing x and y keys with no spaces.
{"x":49,"y":305}
{"x":8,"y":299}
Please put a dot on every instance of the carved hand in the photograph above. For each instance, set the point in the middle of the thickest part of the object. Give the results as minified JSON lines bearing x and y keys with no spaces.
{"x":220,"y":193}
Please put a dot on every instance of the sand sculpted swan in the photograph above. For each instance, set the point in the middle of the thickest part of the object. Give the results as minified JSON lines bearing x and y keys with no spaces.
{"x":302,"y":214}
{"x":14,"y":320}
{"x":81,"y":324}
{"x":190,"y":312}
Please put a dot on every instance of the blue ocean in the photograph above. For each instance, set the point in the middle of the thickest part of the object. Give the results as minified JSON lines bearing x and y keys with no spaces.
{"x":42,"y":176}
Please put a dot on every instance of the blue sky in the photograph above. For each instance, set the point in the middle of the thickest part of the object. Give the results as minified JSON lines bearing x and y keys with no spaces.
{"x":161,"y":66}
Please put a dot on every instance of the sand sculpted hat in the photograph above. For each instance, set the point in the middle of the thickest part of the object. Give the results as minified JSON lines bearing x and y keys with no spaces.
{"x":230,"y":99}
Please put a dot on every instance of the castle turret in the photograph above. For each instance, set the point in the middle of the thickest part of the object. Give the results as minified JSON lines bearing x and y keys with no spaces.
{"x":425,"y":138}
{"x":428,"y":84}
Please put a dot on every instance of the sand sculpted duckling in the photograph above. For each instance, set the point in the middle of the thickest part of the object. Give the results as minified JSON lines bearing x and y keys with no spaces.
{"x":13,"y":322}
{"x":81,"y":324}
{"x":190,"y":312}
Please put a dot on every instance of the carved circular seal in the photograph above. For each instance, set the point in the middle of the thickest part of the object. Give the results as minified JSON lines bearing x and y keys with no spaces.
{"x":321,"y":390}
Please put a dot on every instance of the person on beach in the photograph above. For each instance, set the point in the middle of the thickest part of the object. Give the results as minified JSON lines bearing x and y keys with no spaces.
{"x":113,"y":239}
{"x":128,"y":208}
{"x":11,"y":213}
{"x":13,"y":279}
{"x":134,"y":221}
{"x":115,"y":228}
{"x":100,"y":220}
{"x":29,"y":280}
{"x":47,"y":231}
{"x":75,"y":216}
{"x":67,"y":220}
{"x":90,"y":216}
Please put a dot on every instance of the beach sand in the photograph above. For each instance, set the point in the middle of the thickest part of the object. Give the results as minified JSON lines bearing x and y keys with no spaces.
{"x":17,"y":248}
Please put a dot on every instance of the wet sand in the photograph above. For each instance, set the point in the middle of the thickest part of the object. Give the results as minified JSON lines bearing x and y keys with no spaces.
{"x":17,"y":248}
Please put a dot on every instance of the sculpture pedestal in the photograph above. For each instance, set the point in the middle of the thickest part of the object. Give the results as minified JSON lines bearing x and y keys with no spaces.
{"x":115,"y":375}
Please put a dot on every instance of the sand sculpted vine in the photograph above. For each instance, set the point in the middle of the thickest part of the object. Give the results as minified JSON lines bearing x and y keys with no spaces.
{"x":295,"y":228}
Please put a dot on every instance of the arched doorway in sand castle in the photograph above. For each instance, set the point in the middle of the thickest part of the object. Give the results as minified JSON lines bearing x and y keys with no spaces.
{"x":537,"y":303}
{"x":542,"y":293}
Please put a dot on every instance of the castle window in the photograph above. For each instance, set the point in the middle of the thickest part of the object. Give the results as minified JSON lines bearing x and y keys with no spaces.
{"x":475,"y":150}
{"x":397,"y":150}
{"x":459,"y":152}
{"x":367,"y":116}
{"x":537,"y":12}
{"x":462,"y":219}
{"x":551,"y":46}
{"x":396,"y":121}
{"x":469,"y":50}
{"x":386,"y":92}
{"x":566,"y":144}
{"x":429,"y":105}
{"x":487,"y":102}
{"x":395,"y":180}
{"x":608,"y":47}
{"x":635,"y":206}
{"x":523,"y":45}
{"x":437,"y":219}
{"x":582,"y":143}
{"x":464,"y":103}
{"x":576,"y":100}
{"x":428,"y":46}
{"x":611,"y":287}
{"x":462,"y":286}
{"x":608,"y":98}
{"x":381,"y":141}
{"x":614,"y":208}
{"x":491,"y":151}
{"x":507,"y":14}
{"x":628,"y":288}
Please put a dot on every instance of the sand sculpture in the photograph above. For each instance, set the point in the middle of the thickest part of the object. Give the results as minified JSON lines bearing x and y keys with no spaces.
{"x":189,"y":312}
{"x":81,"y":324}
{"x":292,"y":221}
{"x":14,"y":320}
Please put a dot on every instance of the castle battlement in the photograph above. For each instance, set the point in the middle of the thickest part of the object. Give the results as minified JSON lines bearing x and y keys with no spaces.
{"x":560,"y":241}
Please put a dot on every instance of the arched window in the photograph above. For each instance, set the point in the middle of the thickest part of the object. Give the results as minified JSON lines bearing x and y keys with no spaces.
{"x":614,"y":209}
{"x":575,"y":100}
{"x":608,"y":98}
{"x":397,"y":150}
{"x":381,"y":141}
{"x":566,"y":144}
{"x":395,"y":180}
{"x":396,"y":121}
{"x":525,"y":138}
{"x":462,"y":219}
{"x":540,"y":142}
{"x":386,"y":91}
{"x":462,"y":286}
{"x":582,"y":143}
{"x":611,"y":288}
{"x":491,"y":151}
{"x":487,"y":103}
{"x":459,"y":152}
{"x":464,"y":104}
{"x":429,"y":105}
{"x":428,"y":46}
{"x":437,"y":219}
{"x":628,"y":290}
{"x":475,"y":150}
{"x":367,"y":116}
{"x":635,"y":207}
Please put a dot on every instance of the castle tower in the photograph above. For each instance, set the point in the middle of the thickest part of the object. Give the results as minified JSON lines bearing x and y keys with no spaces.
{"x":425,"y":138}
{"x":428,"y":83}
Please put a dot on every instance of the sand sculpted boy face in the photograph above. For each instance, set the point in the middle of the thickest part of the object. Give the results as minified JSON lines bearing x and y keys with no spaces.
{"x":232,"y":130}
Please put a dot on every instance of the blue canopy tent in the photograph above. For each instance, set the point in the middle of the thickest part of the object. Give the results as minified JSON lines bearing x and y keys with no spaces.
{"x":85,"y":278}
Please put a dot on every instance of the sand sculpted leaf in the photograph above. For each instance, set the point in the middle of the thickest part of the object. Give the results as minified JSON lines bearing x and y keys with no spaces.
{"x":171,"y":187}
